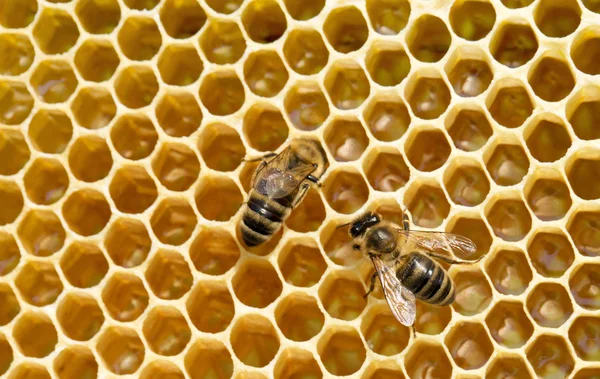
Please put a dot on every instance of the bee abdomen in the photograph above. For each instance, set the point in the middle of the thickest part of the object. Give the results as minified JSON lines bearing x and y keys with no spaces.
{"x":260,"y":220}
{"x":426,"y":279}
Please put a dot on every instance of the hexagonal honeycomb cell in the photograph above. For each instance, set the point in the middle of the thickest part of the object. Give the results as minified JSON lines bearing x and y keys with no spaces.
{"x":35,"y":334}
{"x":96,"y":60}
{"x":18,"y":53}
{"x":472,"y":20}
{"x":18,"y":15}
{"x":139,"y":38}
{"x":584,"y":165}
{"x":469,"y":345}
{"x":306,"y":106}
{"x":254,"y":340}
{"x":256,"y":283}
{"x":582,"y":112}
{"x":222,"y":41}
{"x":341,"y":351}
{"x":509,"y":365}
{"x":346,"y":29}
{"x":549,"y":356}
{"x":83,"y":264}
{"x":473,"y":291}
{"x":346,"y":191}
{"x":213,"y":296}
{"x":208,"y":357}
{"x":585,"y":46}
{"x":382,"y":333}
{"x":9,"y":253}
{"x":176,"y":166}
{"x":347,"y":85}
{"x":429,"y":39}
{"x":50,"y":131}
{"x":514,"y":43}
{"x":509,"y":271}
{"x":264,"y":73}
{"x":583,"y":228}
{"x":121,"y":350}
{"x":549,"y":305}
{"x":168,"y":275}
{"x":294,"y":363}
{"x":166,"y":331}
{"x":218,"y":198}
{"x":427,"y":358}
{"x":298,"y":317}
{"x":557,"y":19}
{"x":74,"y":361}
{"x":10,"y":305}
{"x":125,"y":296}
{"x":80,"y":316}
{"x":305,"y":51}
{"x":177,"y":113}
{"x":509,"y":325}
{"x":506,"y":163}
{"x":427,"y":204}
{"x":584,"y":284}
{"x":469,"y":70}
{"x":11,"y":201}
{"x":16,"y":102}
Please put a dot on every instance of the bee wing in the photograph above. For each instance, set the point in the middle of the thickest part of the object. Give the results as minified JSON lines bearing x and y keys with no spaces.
{"x":277,"y":179}
{"x":439,"y":242}
{"x":400,"y":300}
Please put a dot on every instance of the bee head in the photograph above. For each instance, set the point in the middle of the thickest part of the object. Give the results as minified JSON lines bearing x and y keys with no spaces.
{"x":359,"y":226}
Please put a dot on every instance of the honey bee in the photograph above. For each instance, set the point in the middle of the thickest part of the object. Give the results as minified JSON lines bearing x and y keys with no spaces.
{"x":278,"y":185}
{"x":405,"y":262}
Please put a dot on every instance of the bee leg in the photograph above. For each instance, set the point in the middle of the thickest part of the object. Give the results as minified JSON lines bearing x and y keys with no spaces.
{"x":301,"y":193}
{"x":405,"y":221}
{"x":315,"y":180}
{"x":372,"y":286}
{"x":453,"y":261}
{"x":256,"y":159}
{"x":414,"y":331}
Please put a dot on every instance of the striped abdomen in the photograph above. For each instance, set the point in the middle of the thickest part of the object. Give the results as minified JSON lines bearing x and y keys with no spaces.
{"x":426,"y":279}
{"x":262,"y":218}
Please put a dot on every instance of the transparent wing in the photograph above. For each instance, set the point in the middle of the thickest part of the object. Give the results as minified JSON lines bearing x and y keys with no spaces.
{"x":439,"y":242}
{"x":400,"y":300}
{"x":282,"y":175}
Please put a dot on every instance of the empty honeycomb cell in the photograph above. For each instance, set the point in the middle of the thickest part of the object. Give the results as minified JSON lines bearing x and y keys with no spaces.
{"x":264,"y":21}
{"x":476,"y":230}
{"x":218,"y":198}
{"x":387,"y":63}
{"x":584,"y":336}
{"x":96,"y":60}
{"x":509,"y":218}
{"x":427,"y":204}
{"x":15,"y":102}
{"x":176,"y":166}
{"x":222,"y":92}
{"x":469,"y":71}
{"x":384,"y":370}
{"x":466,"y":182}
{"x":79,"y":316}
{"x":166,"y":331}
{"x":338,"y":245}
{"x":17,"y":14}
{"x":509,"y":271}
{"x":254,"y":340}
{"x":173,"y":221}
{"x":98,"y":16}
{"x":582,"y":112}
{"x":178,"y":114}
{"x":125,"y":297}
{"x":386,"y":170}
{"x":127,"y":242}
{"x":469,"y":129}
{"x":551,"y":78}
{"x":347,"y":84}
{"x":301,"y":263}
{"x":9,"y":253}
{"x":508,"y":366}
{"x":428,"y":95}
{"x":305,"y":50}
{"x":469,"y":345}
{"x":180,"y":65}
{"x":472,"y":20}
{"x":9,"y":305}
{"x":224,"y":6}
{"x":264,"y":127}
{"x":345,"y":190}
{"x":182,"y":19}
{"x":39,"y":283}
{"x":296,"y":363}
{"x":83,"y":264}
{"x":547,"y":138}
{"x":208,"y":358}
{"x":388,"y":17}
{"x":132,"y":189}
{"x":141,"y":5}
{"x":346,"y":139}
{"x":256,"y":283}
{"x":11,"y":201}
{"x":516,"y":4}
{"x":549,"y":305}
{"x":210,"y":306}
{"x":161,"y":368}
{"x":54,"y":81}
{"x":222,"y":41}
{"x":17,"y":52}
{"x":76,"y":362}
{"x":428,"y":39}
{"x":121,"y":350}
{"x":557,"y":19}
{"x":584,"y":228}
{"x":169,"y":275}
{"x":509,"y":325}
{"x":139,"y":38}
{"x":306,"y":106}
{"x":50,"y":131}
{"x":214,"y":251}
{"x":473,"y":292}
{"x":35,"y":334}
{"x":55,"y":32}
{"x":550,"y":357}
{"x":510,"y":104}
{"x":426,"y":358}
{"x":382,"y":332}
{"x":549,"y":199}
{"x":387,"y":117}
{"x":94,"y":107}
{"x":6,"y":354}
{"x":341,"y":350}
{"x":41,"y":233}
{"x":346,"y":29}
{"x":585,"y":286}
{"x":136,"y":86}
{"x":29,"y":370}
{"x":342,"y":295}
{"x":265,"y":73}
{"x":308,"y":216}
{"x":584,"y":48}
{"x":298,"y":317}
{"x":550,"y":253}
{"x":86,"y":212}
{"x":432,"y":319}
{"x":506,"y":163}
{"x":582,"y":166}
{"x":304,"y":10}
{"x":513,"y":43}
{"x":427,"y":149}
{"x":593,"y":6}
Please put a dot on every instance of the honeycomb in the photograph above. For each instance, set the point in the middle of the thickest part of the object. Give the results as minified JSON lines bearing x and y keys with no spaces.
{"x":123,"y":128}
